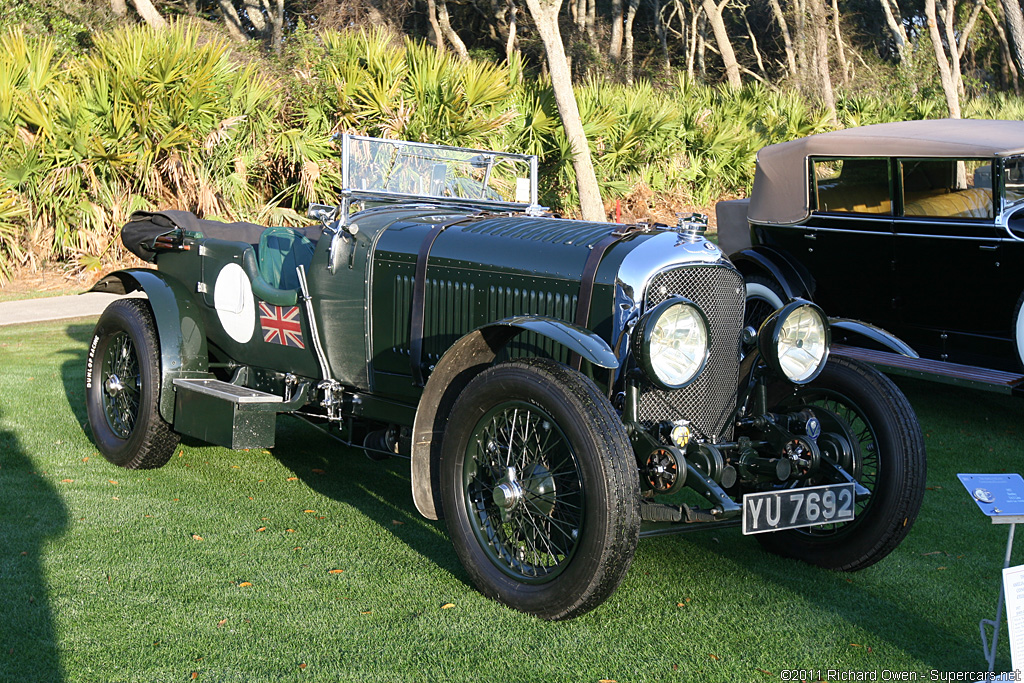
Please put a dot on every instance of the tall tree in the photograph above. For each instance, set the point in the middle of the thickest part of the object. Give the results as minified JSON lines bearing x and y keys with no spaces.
{"x":615,"y":45}
{"x":787,"y":39}
{"x":895,"y":23}
{"x":713,"y":12}
{"x":949,"y":85}
{"x":1015,"y":24}
{"x":545,"y":17}
{"x":823,"y":76}
{"x":145,"y":8}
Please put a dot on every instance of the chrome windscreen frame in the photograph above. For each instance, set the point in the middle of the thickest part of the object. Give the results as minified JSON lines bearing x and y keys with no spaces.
{"x":361,"y":185}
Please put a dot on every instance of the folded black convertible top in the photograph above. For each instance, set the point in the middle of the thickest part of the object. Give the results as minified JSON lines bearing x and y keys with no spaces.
{"x":144,"y":227}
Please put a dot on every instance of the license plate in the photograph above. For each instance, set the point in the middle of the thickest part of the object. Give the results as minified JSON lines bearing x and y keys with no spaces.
{"x":795,"y":508}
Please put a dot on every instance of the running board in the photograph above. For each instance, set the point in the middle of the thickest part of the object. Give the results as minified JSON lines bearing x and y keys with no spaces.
{"x":229,"y":415}
{"x":955,"y":374}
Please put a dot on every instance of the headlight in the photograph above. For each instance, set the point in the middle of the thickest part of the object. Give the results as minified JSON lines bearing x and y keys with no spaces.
{"x":671,"y":343}
{"x":795,"y":340}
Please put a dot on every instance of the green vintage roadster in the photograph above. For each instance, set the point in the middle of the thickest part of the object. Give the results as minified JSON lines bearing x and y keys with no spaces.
{"x":561,"y":387}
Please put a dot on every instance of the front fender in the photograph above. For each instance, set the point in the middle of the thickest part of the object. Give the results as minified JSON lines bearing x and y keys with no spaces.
{"x":873,"y":334}
{"x":791,"y":276}
{"x":459,"y":364}
{"x":179,"y":326}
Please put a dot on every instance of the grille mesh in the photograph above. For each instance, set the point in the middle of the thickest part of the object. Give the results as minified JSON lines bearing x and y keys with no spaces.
{"x":707,"y":403}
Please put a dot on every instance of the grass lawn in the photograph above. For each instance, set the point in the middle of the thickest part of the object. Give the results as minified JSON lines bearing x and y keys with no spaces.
{"x":310,"y":563}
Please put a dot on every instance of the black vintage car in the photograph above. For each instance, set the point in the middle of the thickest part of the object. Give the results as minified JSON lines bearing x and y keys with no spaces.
{"x":561,"y":387}
{"x":917,"y":227}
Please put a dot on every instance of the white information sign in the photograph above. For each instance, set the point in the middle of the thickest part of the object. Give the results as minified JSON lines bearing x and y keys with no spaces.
{"x":1013,"y":590}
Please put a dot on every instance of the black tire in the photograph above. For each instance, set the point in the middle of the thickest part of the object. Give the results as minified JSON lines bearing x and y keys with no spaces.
{"x":122,"y":388}
{"x":564,"y":540}
{"x":764,"y":297}
{"x":886,"y":454}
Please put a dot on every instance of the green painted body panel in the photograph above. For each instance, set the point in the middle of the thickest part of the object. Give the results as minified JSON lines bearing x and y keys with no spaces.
{"x":533,"y":268}
{"x":203,"y":269}
{"x":363,"y":303}
{"x":180,"y":329}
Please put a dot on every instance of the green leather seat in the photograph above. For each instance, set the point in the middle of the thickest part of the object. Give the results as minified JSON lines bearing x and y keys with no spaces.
{"x":281,"y":250}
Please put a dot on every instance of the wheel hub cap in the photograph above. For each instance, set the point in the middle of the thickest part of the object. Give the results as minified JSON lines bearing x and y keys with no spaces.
{"x":114,"y":385}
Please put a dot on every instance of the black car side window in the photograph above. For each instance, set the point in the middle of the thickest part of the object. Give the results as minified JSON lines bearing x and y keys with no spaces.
{"x":947,"y":188}
{"x":852,"y":185}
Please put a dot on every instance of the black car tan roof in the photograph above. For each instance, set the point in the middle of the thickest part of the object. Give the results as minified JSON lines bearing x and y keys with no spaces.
{"x":780,"y":183}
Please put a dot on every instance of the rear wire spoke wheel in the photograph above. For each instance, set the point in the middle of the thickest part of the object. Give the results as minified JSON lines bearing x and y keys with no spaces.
{"x":870,"y":429}
{"x":123,"y":388}
{"x":540,"y":488}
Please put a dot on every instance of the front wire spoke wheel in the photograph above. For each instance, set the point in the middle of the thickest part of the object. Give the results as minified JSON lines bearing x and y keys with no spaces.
{"x":523,"y":481}
{"x":540,"y":489}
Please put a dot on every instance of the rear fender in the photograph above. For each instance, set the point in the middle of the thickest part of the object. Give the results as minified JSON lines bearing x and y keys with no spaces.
{"x":179,"y":326}
{"x":789,"y":274}
{"x":461,"y":363}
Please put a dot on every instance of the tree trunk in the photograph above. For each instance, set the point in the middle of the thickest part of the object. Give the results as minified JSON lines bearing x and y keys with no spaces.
{"x":510,"y":44}
{"x":948,"y":16}
{"x":449,"y":32}
{"x":277,"y":22}
{"x":662,"y":33}
{"x":965,"y":33}
{"x":628,"y":58}
{"x":232,"y":20}
{"x":840,"y":50}
{"x":753,"y":45}
{"x":435,"y":26}
{"x":714,"y":15}
{"x":255,"y":14}
{"x":1004,"y":46}
{"x":149,"y":14}
{"x":1015,"y":23}
{"x":945,"y":75}
{"x":545,"y":16}
{"x":899,"y":34}
{"x":591,"y":22}
{"x":691,"y":51}
{"x":824,"y":76}
{"x":806,"y":67}
{"x":787,"y":39}
{"x":615,"y":46}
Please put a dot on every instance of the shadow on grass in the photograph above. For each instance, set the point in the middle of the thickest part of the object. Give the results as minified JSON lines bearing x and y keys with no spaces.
{"x":72,"y":372}
{"x":31,"y":515}
{"x":380,"y":490}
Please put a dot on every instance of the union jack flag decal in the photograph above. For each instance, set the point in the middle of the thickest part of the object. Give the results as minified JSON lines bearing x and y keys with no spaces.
{"x":281,"y":325}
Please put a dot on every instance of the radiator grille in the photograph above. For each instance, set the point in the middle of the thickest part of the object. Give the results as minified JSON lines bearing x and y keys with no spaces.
{"x":707,"y":403}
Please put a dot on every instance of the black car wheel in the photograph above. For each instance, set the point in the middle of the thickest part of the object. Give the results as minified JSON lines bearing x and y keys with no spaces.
{"x":540,"y":488}
{"x":870,"y":429}
{"x":123,"y":388}
{"x":764,"y":297}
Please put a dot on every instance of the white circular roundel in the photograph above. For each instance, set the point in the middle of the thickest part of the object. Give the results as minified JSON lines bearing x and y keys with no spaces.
{"x":232,"y":297}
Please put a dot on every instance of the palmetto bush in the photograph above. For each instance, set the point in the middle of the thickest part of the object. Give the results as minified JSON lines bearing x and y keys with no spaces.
{"x":173,"y":119}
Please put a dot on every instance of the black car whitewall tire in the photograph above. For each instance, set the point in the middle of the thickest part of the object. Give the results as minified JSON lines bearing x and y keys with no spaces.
{"x":885,"y":452}
{"x":764,"y":297}
{"x":1018,"y":330}
{"x":123,"y":388}
{"x":540,"y":488}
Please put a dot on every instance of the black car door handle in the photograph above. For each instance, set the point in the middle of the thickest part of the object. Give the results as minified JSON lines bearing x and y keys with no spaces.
{"x":811,"y":236}
{"x":988,"y":247}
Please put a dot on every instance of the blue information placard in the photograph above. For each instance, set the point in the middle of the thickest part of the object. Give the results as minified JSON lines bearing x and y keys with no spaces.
{"x":999,"y":496}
